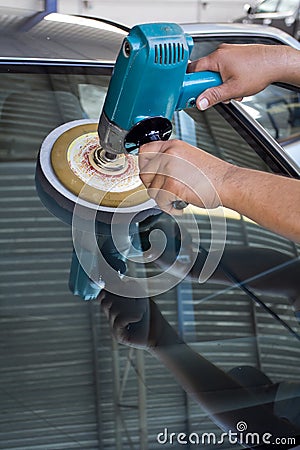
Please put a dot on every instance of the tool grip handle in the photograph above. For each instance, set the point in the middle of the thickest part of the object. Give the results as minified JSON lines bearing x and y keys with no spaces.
{"x":194,"y":84}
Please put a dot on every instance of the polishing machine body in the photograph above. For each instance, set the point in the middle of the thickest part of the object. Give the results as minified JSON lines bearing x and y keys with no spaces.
{"x":148,"y":84}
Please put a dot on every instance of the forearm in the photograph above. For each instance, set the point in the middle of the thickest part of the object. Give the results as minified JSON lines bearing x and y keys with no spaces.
{"x":272,"y":201}
{"x":288,"y":70}
{"x":280,"y":63}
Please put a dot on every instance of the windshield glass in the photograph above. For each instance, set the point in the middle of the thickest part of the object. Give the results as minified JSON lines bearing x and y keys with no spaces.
{"x":66,"y":381}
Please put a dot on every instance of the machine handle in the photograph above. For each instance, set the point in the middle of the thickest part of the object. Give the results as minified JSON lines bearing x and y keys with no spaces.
{"x":193,"y":85}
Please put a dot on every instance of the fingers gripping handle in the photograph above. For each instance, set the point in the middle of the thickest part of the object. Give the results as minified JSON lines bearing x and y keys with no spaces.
{"x":176,"y":204}
{"x":193,"y":85}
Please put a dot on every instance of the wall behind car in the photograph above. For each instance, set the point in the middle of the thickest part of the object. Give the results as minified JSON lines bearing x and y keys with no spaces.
{"x":130,"y":12}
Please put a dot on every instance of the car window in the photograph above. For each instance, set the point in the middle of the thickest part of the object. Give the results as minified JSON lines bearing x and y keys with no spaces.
{"x":277,"y":109}
{"x":61,"y":349}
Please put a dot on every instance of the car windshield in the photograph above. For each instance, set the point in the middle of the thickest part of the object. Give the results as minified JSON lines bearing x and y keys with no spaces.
{"x":65,"y":380}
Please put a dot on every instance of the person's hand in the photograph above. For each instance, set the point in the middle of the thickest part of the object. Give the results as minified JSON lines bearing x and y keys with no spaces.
{"x":134,"y":322}
{"x":245,"y":69}
{"x":174,"y":170}
{"x":129,"y":318}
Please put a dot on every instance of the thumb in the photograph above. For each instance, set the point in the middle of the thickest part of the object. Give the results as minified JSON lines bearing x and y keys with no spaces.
{"x":217,"y":94}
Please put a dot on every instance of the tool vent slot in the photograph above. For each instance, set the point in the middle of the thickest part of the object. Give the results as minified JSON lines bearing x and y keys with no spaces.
{"x":170,"y":53}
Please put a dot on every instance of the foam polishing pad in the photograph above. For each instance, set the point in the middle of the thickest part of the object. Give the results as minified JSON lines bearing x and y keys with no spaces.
{"x":70,"y":159}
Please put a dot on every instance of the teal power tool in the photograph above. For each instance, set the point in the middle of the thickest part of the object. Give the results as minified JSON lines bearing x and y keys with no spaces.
{"x":148,"y":85}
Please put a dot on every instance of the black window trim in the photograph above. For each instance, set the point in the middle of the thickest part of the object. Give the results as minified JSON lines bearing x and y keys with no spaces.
{"x":27,"y":63}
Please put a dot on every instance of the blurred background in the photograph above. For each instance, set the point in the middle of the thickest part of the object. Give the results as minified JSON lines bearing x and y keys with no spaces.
{"x":130,"y":12}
